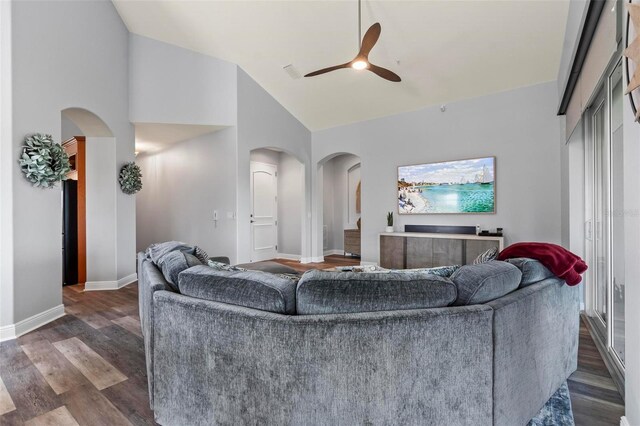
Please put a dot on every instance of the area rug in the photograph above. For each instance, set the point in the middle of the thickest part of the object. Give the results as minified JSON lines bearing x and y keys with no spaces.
{"x":557,"y":411}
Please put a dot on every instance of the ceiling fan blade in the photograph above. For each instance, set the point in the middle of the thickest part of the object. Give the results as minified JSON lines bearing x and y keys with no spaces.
{"x":370,"y":38}
{"x":324,"y":70}
{"x":384,"y":73}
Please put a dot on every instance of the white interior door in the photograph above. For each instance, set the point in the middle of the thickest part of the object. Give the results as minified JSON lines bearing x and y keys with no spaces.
{"x":264,"y":211}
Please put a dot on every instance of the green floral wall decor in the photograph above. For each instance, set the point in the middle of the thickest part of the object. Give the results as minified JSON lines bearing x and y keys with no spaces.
{"x":130,"y":178}
{"x":43,"y":162}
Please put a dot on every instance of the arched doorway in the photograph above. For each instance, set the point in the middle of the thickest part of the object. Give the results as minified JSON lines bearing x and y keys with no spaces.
{"x":89,"y":201}
{"x":339,"y":208}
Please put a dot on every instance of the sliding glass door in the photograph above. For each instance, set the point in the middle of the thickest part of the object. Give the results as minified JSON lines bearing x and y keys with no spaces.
{"x":604,"y":234}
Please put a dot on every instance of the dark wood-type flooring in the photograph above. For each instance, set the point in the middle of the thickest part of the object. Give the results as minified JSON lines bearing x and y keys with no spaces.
{"x":88,"y":367}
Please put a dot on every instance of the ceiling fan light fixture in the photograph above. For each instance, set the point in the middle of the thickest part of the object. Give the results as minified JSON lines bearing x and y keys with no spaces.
{"x":359,"y":65}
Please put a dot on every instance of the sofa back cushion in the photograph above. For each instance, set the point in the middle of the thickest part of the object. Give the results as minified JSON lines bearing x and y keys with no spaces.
{"x":175,"y":262}
{"x":532,"y":270}
{"x":252,"y":289}
{"x":484,"y":282}
{"x":323,"y":292}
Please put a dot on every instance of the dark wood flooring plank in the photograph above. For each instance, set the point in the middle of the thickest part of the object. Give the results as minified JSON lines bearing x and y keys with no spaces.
{"x":54,"y":367}
{"x":58,"y":417}
{"x":31,"y":394}
{"x":88,"y":315}
{"x":94,"y":367}
{"x":90,"y":407}
{"x":591,"y":411}
{"x":602,"y":394}
{"x":121,"y":348}
{"x":11,"y":419}
{"x":130,"y":324}
{"x":132,"y":399}
{"x":6,"y":402}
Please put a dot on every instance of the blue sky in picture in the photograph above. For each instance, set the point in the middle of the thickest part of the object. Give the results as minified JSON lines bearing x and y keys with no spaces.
{"x":461,"y":171}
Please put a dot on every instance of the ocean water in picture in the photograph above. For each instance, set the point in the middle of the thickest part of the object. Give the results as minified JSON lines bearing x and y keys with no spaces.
{"x":465,"y":186}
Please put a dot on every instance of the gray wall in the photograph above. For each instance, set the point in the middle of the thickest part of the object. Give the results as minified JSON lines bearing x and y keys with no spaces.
{"x":264,"y":123}
{"x":86,"y":67}
{"x":519,"y":127}
{"x":170,"y":84}
{"x":290,"y":204}
{"x":182,"y":186}
{"x":101,"y":192}
{"x":573,"y":194}
{"x":69,"y":129}
{"x":7,"y":163}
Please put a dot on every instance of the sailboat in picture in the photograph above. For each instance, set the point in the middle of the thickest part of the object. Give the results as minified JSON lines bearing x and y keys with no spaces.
{"x":484,"y":177}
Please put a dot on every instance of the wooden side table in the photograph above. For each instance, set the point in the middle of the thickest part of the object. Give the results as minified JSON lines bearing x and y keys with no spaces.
{"x":352,"y":242}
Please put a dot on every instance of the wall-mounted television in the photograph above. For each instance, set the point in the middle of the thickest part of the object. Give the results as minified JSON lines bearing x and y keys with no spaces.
{"x":461,"y":186}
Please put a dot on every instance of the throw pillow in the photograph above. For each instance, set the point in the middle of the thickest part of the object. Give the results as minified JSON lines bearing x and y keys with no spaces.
{"x":200,"y":254}
{"x":157,"y":251}
{"x":487,"y":256}
{"x":484,"y":282}
{"x":532,"y":270}
{"x":175,"y":262}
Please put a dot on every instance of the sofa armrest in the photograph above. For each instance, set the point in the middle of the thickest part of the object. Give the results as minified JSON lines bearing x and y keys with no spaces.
{"x":150,"y":280}
{"x":223,"y":364}
{"x":535,"y":334}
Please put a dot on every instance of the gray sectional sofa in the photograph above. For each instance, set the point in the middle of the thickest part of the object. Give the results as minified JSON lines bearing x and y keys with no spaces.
{"x":252,"y":348}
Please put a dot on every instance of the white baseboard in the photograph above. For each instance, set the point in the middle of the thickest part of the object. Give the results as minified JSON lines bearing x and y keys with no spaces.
{"x":110,"y":285}
{"x":366,"y":263}
{"x":624,"y":421}
{"x":288,"y":256}
{"x":127,"y":280}
{"x":333,"y":252}
{"x":12,"y":331}
{"x":7,"y":332}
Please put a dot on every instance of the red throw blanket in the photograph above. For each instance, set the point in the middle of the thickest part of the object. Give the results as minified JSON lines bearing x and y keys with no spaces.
{"x":558,"y":260}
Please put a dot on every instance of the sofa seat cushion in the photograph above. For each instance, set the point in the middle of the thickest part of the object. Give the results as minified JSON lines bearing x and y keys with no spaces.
{"x":532,"y":270}
{"x":175,"y":262}
{"x":323,"y":292}
{"x":251,"y":289}
{"x":484,"y":282}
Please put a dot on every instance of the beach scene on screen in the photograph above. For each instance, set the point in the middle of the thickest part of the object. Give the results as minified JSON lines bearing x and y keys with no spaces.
{"x":463,"y":186}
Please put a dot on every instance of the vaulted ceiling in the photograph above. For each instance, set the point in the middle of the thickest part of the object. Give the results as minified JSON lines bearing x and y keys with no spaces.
{"x":443,"y":50}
